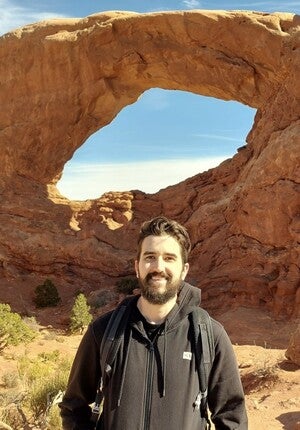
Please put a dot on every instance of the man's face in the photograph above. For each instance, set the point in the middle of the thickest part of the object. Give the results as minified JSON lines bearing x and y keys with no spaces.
{"x":160,"y":268}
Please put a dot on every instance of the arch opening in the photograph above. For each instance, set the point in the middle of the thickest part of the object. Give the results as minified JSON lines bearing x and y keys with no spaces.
{"x":161,"y":140}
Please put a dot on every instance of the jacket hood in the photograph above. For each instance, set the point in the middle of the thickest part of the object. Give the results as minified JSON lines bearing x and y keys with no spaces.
{"x":189,"y":298}
{"x":189,"y":295}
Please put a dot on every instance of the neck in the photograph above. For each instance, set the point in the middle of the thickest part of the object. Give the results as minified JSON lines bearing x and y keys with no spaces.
{"x":155,"y":314}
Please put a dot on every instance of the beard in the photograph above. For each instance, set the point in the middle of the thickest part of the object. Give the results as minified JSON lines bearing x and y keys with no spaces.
{"x":153,"y":294}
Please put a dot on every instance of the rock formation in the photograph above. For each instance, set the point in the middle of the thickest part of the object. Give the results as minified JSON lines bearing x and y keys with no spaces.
{"x":62,"y":80}
{"x":293,"y":351}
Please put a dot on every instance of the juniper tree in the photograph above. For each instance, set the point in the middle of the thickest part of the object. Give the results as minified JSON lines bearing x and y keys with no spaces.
{"x":80,"y":314}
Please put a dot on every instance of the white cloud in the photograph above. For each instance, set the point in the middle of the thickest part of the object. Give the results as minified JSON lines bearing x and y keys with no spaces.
{"x":13,"y":16}
{"x":218,"y":137}
{"x":88,"y":181}
{"x":159,"y":9}
{"x":192,"y":4}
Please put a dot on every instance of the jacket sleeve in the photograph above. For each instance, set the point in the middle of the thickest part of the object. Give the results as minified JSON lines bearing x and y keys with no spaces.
{"x":226,"y":399}
{"x":82,"y":385}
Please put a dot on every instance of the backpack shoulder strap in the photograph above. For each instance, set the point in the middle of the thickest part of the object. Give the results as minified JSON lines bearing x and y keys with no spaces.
{"x":109,"y":346}
{"x":204,"y":353}
{"x":207,"y":338}
{"x":114,"y":332}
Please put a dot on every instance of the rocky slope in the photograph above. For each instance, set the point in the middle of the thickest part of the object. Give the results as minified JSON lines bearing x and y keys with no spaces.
{"x":62,"y":80}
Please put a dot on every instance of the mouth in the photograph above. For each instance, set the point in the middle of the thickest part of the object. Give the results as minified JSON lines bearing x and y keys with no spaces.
{"x":157,"y":278}
{"x":156,"y":275}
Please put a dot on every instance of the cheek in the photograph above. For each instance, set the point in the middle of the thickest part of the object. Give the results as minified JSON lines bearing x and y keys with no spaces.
{"x":143,"y":268}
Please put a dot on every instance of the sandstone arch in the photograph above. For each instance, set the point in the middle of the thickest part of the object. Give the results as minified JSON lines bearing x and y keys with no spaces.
{"x":64,"y":79}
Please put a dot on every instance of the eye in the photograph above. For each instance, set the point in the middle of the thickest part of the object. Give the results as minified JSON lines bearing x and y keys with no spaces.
{"x":149,"y":257}
{"x":170,"y":258}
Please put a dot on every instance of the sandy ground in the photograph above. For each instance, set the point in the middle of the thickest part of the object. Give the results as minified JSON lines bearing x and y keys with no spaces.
{"x":271,"y":382}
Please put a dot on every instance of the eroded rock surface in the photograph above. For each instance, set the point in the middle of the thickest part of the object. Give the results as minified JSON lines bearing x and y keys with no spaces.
{"x":293,"y":351}
{"x":62,"y":80}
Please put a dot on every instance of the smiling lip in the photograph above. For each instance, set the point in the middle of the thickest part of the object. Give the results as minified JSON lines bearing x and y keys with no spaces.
{"x":157,"y":278}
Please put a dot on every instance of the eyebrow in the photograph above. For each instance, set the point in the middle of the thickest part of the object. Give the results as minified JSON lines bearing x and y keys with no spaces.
{"x":168,"y":254}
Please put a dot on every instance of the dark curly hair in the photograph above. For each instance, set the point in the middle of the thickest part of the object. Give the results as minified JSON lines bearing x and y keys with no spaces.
{"x":161,"y":226}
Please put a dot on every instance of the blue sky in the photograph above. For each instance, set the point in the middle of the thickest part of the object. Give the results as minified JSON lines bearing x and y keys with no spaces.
{"x":166,"y":136}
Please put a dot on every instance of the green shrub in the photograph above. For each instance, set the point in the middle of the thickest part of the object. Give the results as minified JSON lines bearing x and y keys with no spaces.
{"x":80,"y":315}
{"x":49,"y":356}
{"x":32,"y":370}
{"x":13,"y":330}
{"x":127,"y":285}
{"x":43,"y":391}
{"x":46,"y":295}
{"x":44,"y":378}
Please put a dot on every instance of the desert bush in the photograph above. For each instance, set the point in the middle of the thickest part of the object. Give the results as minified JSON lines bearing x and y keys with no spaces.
{"x":80,"y":314}
{"x":44,"y":378}
{"x":13,"y":330}
{"x":42,"y":392}
{"x":46,"y":295}
{"x":51,"y":356}
{"x":31,"y":322}
{"x":264,"y":376}
{"x":30,"y":370}
{"x":10,"y":418}
{"x":127,"y":285}
{"x":10,"y":412}
{"x":54,"y":419}
{"x":10,"y":380}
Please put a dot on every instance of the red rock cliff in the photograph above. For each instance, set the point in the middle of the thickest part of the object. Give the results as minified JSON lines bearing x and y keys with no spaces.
{"x":62,"y":80}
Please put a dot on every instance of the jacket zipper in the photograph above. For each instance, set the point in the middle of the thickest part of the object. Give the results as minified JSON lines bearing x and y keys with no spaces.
{"x":149,"y":383}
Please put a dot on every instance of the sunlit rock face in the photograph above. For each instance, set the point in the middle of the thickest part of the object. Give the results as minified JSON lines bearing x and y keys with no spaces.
{"x":62,"y":80}
{"x":293,"y":351}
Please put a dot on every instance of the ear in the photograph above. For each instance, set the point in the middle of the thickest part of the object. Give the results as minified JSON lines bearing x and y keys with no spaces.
{"x":185,"y":271}
{"x":136,"y":267}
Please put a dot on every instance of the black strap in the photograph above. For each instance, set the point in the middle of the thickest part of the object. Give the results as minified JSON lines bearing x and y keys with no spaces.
{"x":114,"y":332}
{"x":109,"y":347}
{"x":107,"y":344}
{"x":204,"y":353}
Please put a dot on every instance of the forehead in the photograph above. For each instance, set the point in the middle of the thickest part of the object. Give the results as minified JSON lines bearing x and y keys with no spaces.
{"x":160,"y":245}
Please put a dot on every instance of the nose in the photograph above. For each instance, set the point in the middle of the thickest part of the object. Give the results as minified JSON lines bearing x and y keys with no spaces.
{"x":158,"y":265}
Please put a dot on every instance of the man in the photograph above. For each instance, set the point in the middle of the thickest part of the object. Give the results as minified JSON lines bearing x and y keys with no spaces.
{"x":153,"y":383}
